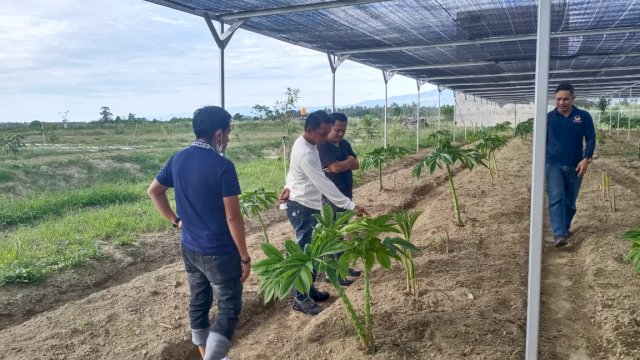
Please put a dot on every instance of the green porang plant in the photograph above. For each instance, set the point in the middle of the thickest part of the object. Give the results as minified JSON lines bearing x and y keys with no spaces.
{"x":444,"y":157}
{"x":405,"y":221}
{"x":488,"y":143}
{"x":280,"y":273}
{"x":524,"y":128}
{"x":633,"y":256}
{"x":381,"y":156}
{"x":252,"y":203}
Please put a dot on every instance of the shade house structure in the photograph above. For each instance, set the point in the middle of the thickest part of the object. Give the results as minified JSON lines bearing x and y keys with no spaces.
{"x":505,"y":51}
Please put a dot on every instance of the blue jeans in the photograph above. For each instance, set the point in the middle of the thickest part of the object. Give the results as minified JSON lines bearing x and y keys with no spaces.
{"x":210,"y":276}
{"x":563,"y":185}
{"x":303,"y":221}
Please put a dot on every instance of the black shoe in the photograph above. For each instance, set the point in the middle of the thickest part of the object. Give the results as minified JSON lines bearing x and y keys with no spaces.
{"x":306,"y":306}
{"x":354,"y":272}
{"x":560,"y":241}
{"x":318,"y":295}
{"x":341,"y":281}
{"x":345,"y":282}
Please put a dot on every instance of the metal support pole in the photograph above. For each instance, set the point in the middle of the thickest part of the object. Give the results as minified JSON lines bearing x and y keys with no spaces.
{"x":537,"y":178}
{"x":455,"y":102}
{"x":439,"y":109}
{"x":334,"y":62}
{"x":515,"y":117}
{"x":386,"y":75}
{"x":222,"y":68}
{"x":418,"y":85}
{"x":610,"y":101}
{"x":633,"y":108}
{"x":629,"y":122}
{"x":618,"y":123}
{"x":222,"y":40}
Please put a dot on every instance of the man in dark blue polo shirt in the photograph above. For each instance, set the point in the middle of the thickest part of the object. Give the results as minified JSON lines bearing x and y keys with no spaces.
{"x":571,"y":141}
{"x":214,"y":250}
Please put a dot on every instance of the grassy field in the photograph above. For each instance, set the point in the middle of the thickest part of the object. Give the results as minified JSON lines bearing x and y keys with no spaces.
{"x":63,"y":201}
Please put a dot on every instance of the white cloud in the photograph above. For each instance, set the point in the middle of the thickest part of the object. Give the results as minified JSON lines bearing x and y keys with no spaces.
{"x":79,"y":55}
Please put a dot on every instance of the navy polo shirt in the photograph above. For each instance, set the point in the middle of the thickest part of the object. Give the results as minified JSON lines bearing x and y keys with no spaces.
{"x":201,"y":178}
{"x":330,"y":153}
{"x":565,"y":137}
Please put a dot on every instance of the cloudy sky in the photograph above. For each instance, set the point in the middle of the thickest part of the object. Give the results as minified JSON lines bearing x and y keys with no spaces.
{"x":138,"y":57}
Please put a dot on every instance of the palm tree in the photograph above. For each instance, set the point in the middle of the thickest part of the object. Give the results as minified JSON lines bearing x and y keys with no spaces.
{"x":444,"y":157}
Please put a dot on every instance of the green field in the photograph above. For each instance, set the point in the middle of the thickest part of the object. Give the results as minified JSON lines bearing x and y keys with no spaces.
{"x":67,"y":195}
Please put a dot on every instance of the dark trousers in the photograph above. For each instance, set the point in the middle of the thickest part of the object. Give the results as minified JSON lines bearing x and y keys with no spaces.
{"x":303,"y":221}
{"x":563,"y":185}
{"x":211,"y":276}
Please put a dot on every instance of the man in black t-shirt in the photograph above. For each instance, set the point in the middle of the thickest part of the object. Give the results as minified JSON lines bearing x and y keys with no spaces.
{"x":338,"y":162}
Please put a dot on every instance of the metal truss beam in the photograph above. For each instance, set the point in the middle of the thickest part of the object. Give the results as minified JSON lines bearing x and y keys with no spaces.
{"x":295,"y":9}
{"x":502,"y":86}
{"x":531,"y":81}
{"x":491,"y":40}
{"x":508,"y":61}
{"x":511,"y":74}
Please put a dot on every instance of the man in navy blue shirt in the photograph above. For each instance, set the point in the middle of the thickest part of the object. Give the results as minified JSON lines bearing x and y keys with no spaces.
{"x":213,"y":244}
{"x":568,"y":130}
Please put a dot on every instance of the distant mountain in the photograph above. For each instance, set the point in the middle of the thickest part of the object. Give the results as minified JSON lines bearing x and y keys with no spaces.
{"x":427,"y":98}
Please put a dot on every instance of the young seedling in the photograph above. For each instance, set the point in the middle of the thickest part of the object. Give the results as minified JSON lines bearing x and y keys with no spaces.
{"x":252,"y":203}
{"x":605,"y":186}
{"x":633,"y":256}
{"x":405,"y":221}
{"x":487,"y":145}
{"x":279,"y":273}
{"x":444,"y":157}
{"x":380,"y":157}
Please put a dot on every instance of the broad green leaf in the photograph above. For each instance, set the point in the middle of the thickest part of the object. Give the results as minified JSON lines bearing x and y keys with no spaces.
{"x":292,"y":247}
{"x":271,"y":251}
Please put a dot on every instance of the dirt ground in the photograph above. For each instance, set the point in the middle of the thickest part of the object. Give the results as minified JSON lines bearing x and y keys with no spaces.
{"x":473,"y":282}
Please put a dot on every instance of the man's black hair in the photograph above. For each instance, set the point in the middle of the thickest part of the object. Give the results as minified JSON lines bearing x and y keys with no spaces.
{"x":209,"y":119}
{"x":316,"y":118}
{"x":565,"y":87}
{"x":339,"y":117}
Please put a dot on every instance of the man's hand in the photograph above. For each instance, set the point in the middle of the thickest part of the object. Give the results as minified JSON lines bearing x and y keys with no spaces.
{"x":360,"y":210}
{"x":582,"y":167}
{"x":284,"y":195}
{"x":246,"y":270}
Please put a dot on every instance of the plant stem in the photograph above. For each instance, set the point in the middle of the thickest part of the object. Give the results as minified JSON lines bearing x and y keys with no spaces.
{"x":495,"y":164}
{"x":368,"y":325}
{"x":352,"y":313}
{"x":264,"y":229}
{"x":380,"y":174}
{"x":454,"y":195}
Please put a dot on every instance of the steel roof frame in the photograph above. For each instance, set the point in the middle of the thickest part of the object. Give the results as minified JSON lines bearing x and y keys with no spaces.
{"x":492,"y":40}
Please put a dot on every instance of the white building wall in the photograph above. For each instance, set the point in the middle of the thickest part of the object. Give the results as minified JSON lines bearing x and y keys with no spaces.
{"x":476,"y":112}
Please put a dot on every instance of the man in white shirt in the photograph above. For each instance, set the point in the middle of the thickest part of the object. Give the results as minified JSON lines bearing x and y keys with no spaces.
{"x":306,"y":184}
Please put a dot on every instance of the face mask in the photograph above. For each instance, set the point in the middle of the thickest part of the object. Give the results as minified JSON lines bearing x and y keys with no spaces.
{"x":219,"y":149}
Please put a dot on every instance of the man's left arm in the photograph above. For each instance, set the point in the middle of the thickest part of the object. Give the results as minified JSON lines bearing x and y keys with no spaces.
{"x":351,"y":162}
{"x":590,"y":139}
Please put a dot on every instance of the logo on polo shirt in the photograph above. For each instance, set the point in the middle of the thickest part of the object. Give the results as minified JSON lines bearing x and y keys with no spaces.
{"x":577,"y":119}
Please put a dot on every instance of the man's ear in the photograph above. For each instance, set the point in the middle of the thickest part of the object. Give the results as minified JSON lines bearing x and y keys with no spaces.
{"x":218,"y":136}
